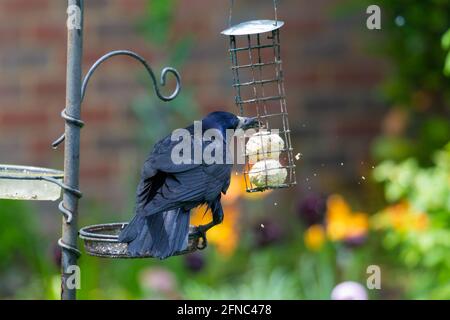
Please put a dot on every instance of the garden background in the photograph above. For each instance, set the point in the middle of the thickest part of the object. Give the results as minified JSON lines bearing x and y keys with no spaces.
{"x":369,"y":113}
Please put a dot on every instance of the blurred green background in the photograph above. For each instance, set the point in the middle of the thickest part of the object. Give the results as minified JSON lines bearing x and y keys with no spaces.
{"x":272,"y":249}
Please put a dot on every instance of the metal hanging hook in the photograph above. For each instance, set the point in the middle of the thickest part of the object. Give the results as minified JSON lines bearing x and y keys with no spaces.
{"x":230,"y":18}
{"x":163,"y":80}
{"x":147,"y":67}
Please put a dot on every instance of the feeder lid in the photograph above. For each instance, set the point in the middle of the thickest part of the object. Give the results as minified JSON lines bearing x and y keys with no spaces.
{"x":253,"y":27}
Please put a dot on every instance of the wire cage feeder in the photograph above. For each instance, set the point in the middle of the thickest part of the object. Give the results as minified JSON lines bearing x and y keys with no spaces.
{"x":259,"y":92}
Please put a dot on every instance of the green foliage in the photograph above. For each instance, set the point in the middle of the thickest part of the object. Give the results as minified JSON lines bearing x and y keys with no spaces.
{"x":158,"y":19}
{"x":25,"y":265}
{"x":427,"y":190}
{"x":446,"y":46}
{"x":317,"y":275}
{"x":155,"y":116}
{"x":415,"y":48}
{"x":278,"y":272}
{"x":255,"y":285}
{"x":415,"y":82}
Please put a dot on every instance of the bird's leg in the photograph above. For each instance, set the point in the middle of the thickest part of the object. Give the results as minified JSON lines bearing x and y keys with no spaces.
{"x":217,"y":215}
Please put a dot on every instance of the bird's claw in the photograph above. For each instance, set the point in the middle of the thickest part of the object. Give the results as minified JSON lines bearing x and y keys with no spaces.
{"x":201,"y":232}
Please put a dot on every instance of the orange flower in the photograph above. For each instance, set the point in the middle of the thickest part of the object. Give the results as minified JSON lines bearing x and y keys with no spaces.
{"x":235,"y":190}
{"x":341,"y":222}
{"x":402,"y":217}
{"x":314,"y":237}
{"x":224,"y":236}
{"x":359,"y":225}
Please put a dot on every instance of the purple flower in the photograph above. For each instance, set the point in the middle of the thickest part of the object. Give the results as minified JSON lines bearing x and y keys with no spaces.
{"x":357,"y":241}
{"x":349,"y":290}
{"x":267,"y":232}
{"x":194,"y":261}
{"x":158,"y":280}
{"x":312,"y":208}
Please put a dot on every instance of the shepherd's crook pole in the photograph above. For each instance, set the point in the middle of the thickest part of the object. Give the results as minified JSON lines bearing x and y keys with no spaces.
{"x":68,"y":242}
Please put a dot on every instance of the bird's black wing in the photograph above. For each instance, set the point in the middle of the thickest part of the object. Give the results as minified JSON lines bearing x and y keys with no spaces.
{"x":226,"y":184}
{"x":189,"y":189}
{"x":158,"y":166}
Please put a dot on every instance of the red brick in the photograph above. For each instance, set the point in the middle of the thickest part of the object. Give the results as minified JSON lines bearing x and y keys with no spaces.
{"x":304,"y":27}
{"x":48,"y":33}
{"x":21,"y":118}
{"x":357,"y":127}
{"x":132,"y":6}
{"x":362,"y":75}
{"x":53,"y":88}
{"x":304,"y":78}
{"x":96,"y":171}
{"x":24,"y":6}
{"x":91,"y":56}
{"x":40,"y":146}
{"x":10,"y":34}
{"x":96,"y":114}
{"x":10,"y":90}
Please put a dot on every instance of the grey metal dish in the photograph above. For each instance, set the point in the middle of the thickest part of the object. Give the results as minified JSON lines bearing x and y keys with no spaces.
{"x":101,"y":240}
{"x":253,"y":27}
{"x":29,"y":183}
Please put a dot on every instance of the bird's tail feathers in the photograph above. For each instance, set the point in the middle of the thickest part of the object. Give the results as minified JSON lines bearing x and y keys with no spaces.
{"x":161,"y":235}
{"x":132,"y":230}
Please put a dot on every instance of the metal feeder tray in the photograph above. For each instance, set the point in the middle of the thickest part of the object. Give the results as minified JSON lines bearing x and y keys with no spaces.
{"x":30,"y":183}
{"x":101,"y":240}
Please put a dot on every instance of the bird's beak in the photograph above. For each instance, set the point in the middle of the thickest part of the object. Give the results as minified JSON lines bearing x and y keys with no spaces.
{"x":248,"y":123}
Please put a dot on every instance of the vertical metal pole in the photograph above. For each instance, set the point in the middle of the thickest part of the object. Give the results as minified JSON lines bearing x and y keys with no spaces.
{"x":72,"y":144}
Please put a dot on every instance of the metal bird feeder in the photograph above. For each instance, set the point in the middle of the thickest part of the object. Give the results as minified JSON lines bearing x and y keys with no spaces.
{"x":102,"y":241}
{"x":31,"y":183}
{"x":259,"y":92}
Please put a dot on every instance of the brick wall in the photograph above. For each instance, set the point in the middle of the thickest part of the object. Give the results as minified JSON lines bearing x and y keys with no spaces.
{"x":331,"y":82}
